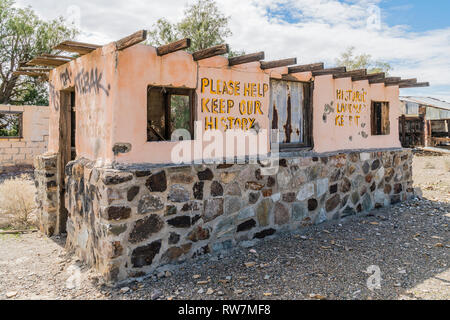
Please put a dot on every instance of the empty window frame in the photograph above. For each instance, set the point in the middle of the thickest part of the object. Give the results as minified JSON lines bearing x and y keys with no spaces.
{"x":11,"y":124}
{"x":168,"y":109}
{"x":290,"y":113}
{"x":380,"y":118}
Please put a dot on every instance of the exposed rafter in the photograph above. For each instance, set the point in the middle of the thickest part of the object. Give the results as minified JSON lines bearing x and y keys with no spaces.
{"x":415,"y":85}
{"x":31,"y":74}
{"x":45,"y":61}
{"x":78,"y":47}
{"x":131,"y":40}
{"x":252,"y":57}
{"x":385,"y":80}
{"x":46,"y":55}
{"x":329,"y":71}
{"x":306,"y":67}
{"x":278,"y":63}
{"x":370,"y":76}
{"x":173,"y":47}
{"x":211,"y":52}
{"x":35,"y":69}
{"x":349,"y":74}
{"x":401,"y":82}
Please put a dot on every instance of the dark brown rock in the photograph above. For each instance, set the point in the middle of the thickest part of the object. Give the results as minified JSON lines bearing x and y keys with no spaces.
{"x":332,"y":203}
{"x":117,"y":213}
{"x":132,"y":193}
{"x":253,"y":197}
{"x":271,"y":182}
{"x":216,"y":189}
{"x":183,"y":221}
{"x":198,"y":234}
{"x":114,"y":178}
{"x":247,"y":225}
{"x":198,"y":190}
{"x":387,"y":189}
{"x":267,"y":193}
{"x":252,"y":185}
{"x":369,"y":178}
{"x":143,"y":256}
{"x":205,"y":175}
{"x":333,"y":189}
{"x":157,"y":182}
{"x":398,"y":188}
{"x":312,"y":204}
{"x":346,"y":185}
{"x":173,"y":254}
{"x":174,"y":238}
{"x":264,"y":233}
{"x":289,"y":197}
{"x":146,"y":227}
{"x":376,"y":164}
{"x":366,"y":167}
{"x":181,"y":178}
{"x":142,"y":173}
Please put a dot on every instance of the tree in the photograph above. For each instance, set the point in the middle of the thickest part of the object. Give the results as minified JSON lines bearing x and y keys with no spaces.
{"x":363,"y":61}
{"x":23,"y":35}
{"x":203,"y":23}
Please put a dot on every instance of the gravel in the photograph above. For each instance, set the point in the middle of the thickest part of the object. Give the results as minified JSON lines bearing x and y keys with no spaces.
{"x":408,"y":243}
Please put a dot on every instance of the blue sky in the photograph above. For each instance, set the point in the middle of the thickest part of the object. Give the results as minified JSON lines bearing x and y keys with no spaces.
{"x":414,"y":36}
{"x":418,"y":15}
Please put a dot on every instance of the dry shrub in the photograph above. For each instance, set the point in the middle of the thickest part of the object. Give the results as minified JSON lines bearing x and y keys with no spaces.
{"x":17,"y":200}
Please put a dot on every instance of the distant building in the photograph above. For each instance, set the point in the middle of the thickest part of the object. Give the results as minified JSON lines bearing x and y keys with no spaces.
{"x":424,"y":122}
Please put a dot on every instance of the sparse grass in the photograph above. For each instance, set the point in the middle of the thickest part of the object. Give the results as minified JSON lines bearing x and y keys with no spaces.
{"x":17,"y":201}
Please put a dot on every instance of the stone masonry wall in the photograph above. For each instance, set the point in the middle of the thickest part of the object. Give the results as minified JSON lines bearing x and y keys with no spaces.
{"x":47,"y":194}
{"x":128,"y":222}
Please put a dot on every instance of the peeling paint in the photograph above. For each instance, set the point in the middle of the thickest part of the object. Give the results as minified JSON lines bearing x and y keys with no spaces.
{"x":328,"y":109}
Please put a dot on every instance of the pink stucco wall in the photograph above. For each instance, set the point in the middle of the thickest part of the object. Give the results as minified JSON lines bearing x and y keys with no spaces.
{"x":111,"y":90}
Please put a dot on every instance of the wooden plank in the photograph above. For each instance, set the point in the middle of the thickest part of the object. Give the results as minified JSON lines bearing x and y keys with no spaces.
{"x":348,"y":74}
{"x":131,"y":40}
{"x":306,"y":67}
{"x":371,"y":76}
{"x":31,"y":74}
{"x":42,"y":61}
{"x":415,"y":85}
{"x":35,"y":69}
{"x":401,"y":82}
{"x":385,"y":80}
{"x":278,"y":63}
{"x":46,"y":55}
{"x":78,"y":47}
{"x":329,"y":71}
{"x":247,"y":58}
{"x":211,"y":52}
{"x":173,"y":47}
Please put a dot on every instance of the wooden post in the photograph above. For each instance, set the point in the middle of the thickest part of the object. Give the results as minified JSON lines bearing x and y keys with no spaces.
{"x":174,"y":46}
{"x":403,"y":126}
{"x":131,"y":40}
{"x":448,"y":128}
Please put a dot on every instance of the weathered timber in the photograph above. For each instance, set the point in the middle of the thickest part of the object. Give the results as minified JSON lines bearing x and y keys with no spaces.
{"x":385,"y":80}
{"x":211,"y":52}
{"x":371,"y":76}
{"x":349,"y":74}
{"x":306,"y":67}
{"x":34,"y":69}
{"x":131,"y":40}
{"x":43,"y":61}
{"x":78,"y":47}
{"x":173,"y":47}
{"x":31,"y":74}
{"x":58,"y":56}
{"x":402,"y":82}
{"x":252,"y":57}
{"x":415,"y":85}
{"x":329,"y":71}
{"x":278,"y":63}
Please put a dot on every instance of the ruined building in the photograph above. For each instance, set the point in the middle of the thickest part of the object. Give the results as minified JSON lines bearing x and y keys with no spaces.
{"x":157,"y":155}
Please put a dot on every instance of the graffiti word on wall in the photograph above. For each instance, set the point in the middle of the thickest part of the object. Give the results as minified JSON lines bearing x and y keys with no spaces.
{"x":232,"y":97}
{"x":90,"y":81}
{"x":350,"y":104}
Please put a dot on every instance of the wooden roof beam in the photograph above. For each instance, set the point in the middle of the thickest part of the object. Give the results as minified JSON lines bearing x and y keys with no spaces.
{"x":370,"y":76}
{"x":247,"y":58}
{"x":306,"y":67}
{"x":401,"y":82}
{"x":78,"y":47}
{"x":211,"y":52}
{"x":131,"y":40}
{"x":332,"y":71}
{"x":34,"y":69}
{"x":44,"y":61}
{"x":278,"y":63}
{"x":415,"y":85}
{"x":31,"y":74}
{"x":349,"y":74}
{"x":46,"y":55}
{"x":173,"y":47}
{"x":385,"y":80}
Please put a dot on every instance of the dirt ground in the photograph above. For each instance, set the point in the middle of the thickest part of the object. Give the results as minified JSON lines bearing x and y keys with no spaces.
{"x":400,"y":252}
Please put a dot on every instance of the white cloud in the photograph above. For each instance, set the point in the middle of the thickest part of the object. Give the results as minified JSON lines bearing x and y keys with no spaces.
{"x":321,"y":31}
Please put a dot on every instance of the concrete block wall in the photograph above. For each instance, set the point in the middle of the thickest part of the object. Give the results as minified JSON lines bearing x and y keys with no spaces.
{"x":34,"y":141}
